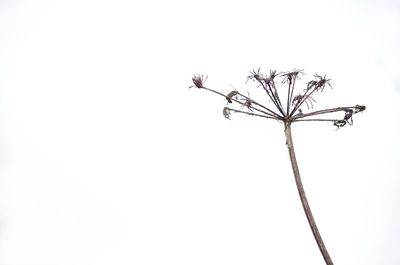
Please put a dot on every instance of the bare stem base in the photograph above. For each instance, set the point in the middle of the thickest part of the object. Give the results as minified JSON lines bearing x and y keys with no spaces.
{"x":304,"y":202}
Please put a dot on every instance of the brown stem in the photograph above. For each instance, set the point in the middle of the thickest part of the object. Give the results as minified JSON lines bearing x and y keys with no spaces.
{"x":304,"y":202}
{"x":272,"y":113}
{"x":253,"y":114}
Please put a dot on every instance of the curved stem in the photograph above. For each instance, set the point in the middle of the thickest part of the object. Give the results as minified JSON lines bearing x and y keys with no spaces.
{"x":304,"y":202}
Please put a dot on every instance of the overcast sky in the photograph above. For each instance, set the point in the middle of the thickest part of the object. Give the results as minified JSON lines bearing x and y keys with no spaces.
{"x":107,"y":157}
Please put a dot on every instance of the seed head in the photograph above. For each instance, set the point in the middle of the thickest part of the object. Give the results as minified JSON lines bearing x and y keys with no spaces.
{"x":227,"y":113}
{"x":198,"y":81}
{"x":231,"y":95}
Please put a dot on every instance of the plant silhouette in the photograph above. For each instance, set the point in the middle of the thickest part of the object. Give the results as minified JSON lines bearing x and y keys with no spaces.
{"x":287,"y":110}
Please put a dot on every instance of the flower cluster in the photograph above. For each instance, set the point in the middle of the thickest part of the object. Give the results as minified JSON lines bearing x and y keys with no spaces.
{"x":287,"y":110}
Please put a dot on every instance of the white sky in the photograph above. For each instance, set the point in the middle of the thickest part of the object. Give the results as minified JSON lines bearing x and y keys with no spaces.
{"x":107,"y":157}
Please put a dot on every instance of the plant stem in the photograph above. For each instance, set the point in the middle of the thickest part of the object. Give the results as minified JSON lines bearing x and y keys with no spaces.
{"x":304,"y":202}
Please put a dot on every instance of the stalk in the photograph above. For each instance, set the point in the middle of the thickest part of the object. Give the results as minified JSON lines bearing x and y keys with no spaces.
{"x":302,"y":194}
{"x":268,"y":84}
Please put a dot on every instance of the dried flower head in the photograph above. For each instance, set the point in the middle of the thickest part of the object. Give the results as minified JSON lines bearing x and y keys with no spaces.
{"x":288,"y":109}
{"x":318,"y":84}
{"x":360,"y":108}
{"x":231,"y":95}
{"x":273,"y":74}
{"x":227,"y":113}
{"x":254,"y":75}
{"x":248,"y":103}
{"x":289,"y":77}
{"x":308,"y":100}
{"x":198,"y":81}
{"x":339,"y":123}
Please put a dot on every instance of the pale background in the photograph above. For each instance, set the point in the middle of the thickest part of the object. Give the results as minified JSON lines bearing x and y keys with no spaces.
{"x":106,"y":156}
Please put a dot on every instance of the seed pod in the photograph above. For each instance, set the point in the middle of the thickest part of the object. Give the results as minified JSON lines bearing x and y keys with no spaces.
{"x":339,"y":123}
{"x":227,"y":113}
{"x":360,"y":108}
{"x":231,"y":95}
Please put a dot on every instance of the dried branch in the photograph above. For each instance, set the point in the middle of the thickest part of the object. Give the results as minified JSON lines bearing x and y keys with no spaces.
{"x":290,"y":78}
{"x":293,"y":105}
{"x":227,"y":113}
{"x":357,"y":109}
{"x":312,"y":87}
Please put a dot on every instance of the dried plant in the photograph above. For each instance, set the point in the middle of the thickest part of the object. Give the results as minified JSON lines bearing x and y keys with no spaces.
{"x":287,"y":114}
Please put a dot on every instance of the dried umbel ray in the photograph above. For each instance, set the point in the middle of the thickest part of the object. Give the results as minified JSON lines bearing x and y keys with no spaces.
{"x":287,"y":113}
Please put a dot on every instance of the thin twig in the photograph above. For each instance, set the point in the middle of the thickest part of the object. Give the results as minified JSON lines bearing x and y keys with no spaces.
{"x":271,"y":96}
{"x":325,"y":111}
{"x":253,"y":101}
{"x":254,"y":114}
{"x":331,"y":120}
